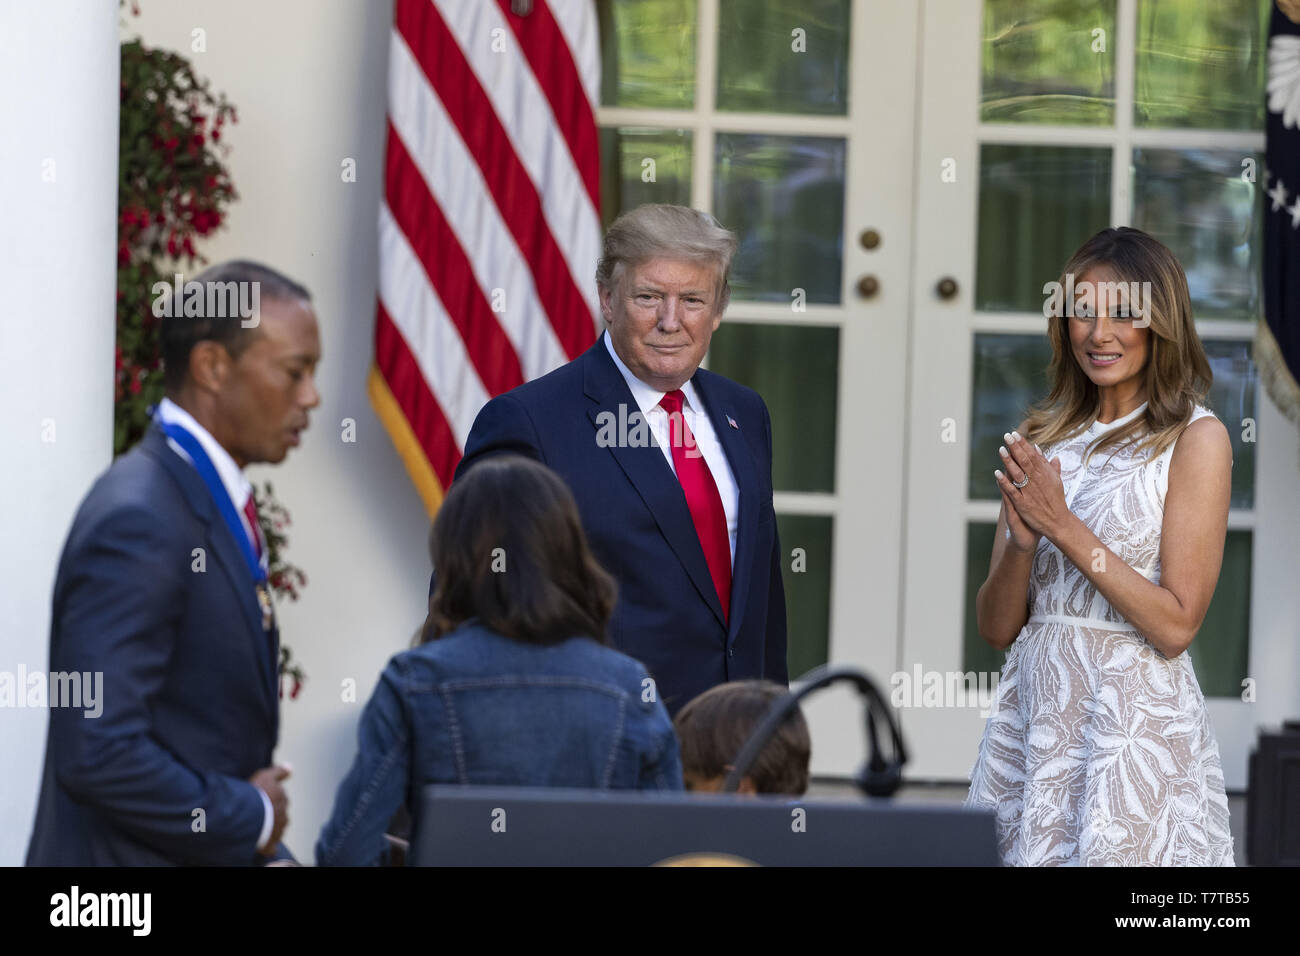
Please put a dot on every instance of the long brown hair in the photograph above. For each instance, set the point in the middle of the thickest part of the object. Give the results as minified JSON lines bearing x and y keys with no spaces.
{"x":1177,"y":374}
{"x":508,"y":548}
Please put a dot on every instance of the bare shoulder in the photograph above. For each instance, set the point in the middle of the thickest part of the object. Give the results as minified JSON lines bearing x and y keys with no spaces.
{"x":1203,"y":448}
{"x":1206,"y":436}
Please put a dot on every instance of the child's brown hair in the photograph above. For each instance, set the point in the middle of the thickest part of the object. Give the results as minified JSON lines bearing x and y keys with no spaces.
{"x":714,"y":726}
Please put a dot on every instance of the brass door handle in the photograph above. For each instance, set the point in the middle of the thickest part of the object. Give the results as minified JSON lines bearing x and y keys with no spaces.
{"x":946,"y":287}
{"x":868,"y":286}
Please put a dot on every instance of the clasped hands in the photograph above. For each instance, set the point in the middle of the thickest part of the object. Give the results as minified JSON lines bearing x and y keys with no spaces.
{"x":1037,"y":508}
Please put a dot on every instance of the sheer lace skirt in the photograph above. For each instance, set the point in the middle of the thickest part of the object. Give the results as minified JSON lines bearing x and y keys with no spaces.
{"x":1099,"y":751}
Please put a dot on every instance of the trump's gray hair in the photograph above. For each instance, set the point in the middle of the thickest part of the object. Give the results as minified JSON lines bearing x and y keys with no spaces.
{"x":660,"y":231}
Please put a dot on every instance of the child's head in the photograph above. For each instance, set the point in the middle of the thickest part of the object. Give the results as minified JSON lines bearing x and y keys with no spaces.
{"x":714,"y":726}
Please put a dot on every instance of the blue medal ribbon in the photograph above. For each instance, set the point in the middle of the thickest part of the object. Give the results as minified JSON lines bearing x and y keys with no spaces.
{"x":217,"y":489}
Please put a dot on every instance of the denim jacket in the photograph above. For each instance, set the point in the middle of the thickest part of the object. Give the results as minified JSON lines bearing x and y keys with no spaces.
{"x":478,"y":708}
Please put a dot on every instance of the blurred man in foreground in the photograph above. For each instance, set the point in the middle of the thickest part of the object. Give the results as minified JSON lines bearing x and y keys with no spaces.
{"x":161,"y":592}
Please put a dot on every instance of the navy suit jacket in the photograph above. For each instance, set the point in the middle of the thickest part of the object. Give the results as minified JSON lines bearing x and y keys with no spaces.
{"x":189,"y":694}
{"x":639,"y":526}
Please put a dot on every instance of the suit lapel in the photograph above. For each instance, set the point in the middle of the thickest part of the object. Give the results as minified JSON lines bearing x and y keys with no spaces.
{"x":648,"y":472}
{"x":227,"y":554}
{"x":721,"y":414}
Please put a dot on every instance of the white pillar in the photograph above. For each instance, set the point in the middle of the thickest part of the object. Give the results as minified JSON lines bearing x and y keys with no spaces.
{"x":58,"y":242}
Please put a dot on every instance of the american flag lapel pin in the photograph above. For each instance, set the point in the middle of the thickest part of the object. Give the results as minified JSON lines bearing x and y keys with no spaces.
{"x":732,"y":422}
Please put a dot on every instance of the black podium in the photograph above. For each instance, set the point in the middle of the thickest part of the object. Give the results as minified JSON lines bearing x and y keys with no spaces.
{"x":478,"y":826}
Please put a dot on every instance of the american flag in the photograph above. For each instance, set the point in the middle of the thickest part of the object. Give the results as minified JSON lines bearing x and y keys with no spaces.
{"x":1277,"y":341}
{"x":489,"y":229}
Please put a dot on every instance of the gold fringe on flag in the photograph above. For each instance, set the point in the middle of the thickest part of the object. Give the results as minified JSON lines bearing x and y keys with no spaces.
{"x":1273,"y":371}
{"x":408,"y":446}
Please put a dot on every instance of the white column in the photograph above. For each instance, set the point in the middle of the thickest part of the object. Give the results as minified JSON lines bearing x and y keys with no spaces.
{"x":58,"y":209}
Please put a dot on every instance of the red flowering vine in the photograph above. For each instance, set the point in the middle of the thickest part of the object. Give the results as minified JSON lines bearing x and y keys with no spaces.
{"x":173,"y":189}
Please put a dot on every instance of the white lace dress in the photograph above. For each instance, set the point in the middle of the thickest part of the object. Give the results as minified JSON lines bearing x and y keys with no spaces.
{"x":1098,"y":749}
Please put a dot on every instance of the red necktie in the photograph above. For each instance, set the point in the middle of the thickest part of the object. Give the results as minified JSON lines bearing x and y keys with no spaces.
{"x":701,"y":497}
{"x":250,"y":512}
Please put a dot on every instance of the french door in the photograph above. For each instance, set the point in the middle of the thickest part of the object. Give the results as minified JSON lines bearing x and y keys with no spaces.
{"x":904,"y":177}
{"x":1040,"y":123}
{"x":792,"y":121}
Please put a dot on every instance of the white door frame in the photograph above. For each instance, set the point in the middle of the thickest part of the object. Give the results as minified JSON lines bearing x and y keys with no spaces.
{"x":945,"y":740}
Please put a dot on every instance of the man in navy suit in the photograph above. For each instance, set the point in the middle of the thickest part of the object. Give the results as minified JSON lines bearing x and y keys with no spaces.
{"x":162,"y":588}
{"x":671,"y":464}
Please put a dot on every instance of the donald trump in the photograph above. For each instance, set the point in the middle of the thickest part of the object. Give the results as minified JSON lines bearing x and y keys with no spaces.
{"x":671,"y":464}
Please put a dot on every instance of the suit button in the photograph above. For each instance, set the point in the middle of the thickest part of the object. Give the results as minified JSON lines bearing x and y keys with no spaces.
{"x":731,"y":652}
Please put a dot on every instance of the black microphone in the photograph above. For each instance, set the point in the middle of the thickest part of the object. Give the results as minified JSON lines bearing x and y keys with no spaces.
{"x":878,"y":777}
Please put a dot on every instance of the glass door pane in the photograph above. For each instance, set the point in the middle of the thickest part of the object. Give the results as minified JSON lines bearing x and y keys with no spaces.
{"x":784,"y":56}
{"x":1048,"y":63}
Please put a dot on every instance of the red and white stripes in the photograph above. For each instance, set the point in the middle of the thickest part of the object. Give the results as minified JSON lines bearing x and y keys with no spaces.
{"x":490,"y":229}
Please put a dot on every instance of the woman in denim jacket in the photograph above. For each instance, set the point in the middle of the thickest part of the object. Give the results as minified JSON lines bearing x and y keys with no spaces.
{"x":512,"y":682}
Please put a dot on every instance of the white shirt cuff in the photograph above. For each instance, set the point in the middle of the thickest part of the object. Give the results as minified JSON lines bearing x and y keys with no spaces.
{"x":268,"y":821}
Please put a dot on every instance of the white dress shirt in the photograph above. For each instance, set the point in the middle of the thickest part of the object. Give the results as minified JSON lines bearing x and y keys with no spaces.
{"x":647,"y":398}
{"x":238,"y":488}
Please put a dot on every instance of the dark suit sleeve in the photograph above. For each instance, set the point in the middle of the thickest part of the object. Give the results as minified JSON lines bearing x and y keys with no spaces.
{"x":116,"y":614}
{"x":503,"y":426}
{"x":775,"y":667}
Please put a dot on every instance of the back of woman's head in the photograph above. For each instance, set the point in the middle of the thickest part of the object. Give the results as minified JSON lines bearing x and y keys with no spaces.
{"x":508,"y":548}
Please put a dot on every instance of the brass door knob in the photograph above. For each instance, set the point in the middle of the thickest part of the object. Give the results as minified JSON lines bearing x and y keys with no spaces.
{"x":868,"y":286}
{"x":869,"y":238}
{"x":946,"y":287}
